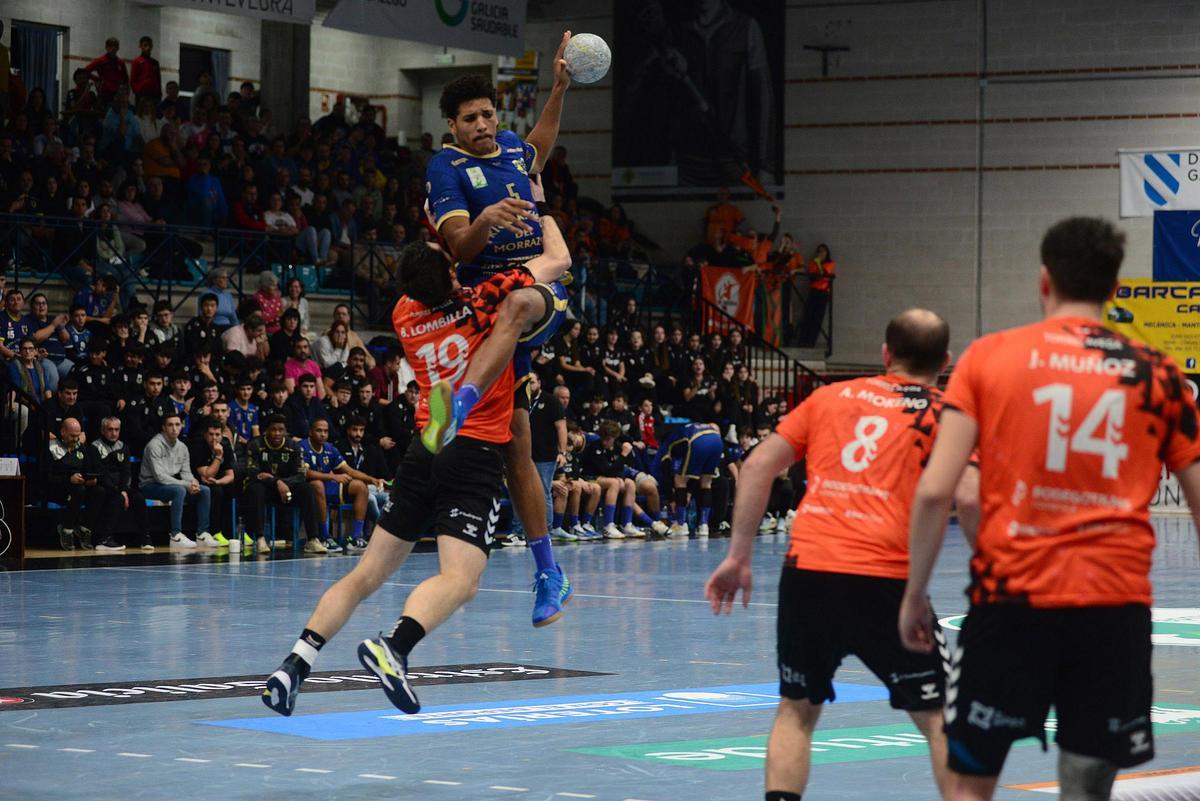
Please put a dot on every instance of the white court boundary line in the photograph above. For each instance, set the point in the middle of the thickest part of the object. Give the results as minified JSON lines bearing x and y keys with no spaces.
{"x":185,"y":570}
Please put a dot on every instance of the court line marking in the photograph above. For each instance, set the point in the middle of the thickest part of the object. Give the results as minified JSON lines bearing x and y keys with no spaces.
{"x":192,"y":759}
{"x":79,"y":750}
{"x":185,"y":571}
{"x":313,"y":770}
{"x":375,"y":776}
{"x":250,"y":765}
{"x":439,"y":781}
{"x":21,"y":745}
{"x":575,"y":795}
{"x":509,"y":789}
{"x":134,"y":755}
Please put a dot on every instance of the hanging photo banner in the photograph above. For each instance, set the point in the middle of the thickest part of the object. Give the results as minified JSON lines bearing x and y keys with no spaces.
{"x":1159,"y":180}
{"x":516,"y":93}
{"x":732,"y":291}
{"x":300,"y":12}
{"x":496,"y":26}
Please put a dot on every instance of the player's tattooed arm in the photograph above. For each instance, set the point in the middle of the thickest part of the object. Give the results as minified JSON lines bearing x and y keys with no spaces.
{"x":556,"y":256}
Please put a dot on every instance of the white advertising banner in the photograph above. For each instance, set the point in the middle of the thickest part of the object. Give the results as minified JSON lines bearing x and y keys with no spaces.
{"x":298,"y":11}
{"x":486,"y":26}
{"x":1167,"y":179}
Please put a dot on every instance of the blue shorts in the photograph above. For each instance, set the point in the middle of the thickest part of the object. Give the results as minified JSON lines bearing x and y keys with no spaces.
{"x":702,"y":456}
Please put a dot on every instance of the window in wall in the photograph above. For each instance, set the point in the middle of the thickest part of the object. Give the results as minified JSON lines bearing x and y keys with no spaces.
{"x":194,"y":61}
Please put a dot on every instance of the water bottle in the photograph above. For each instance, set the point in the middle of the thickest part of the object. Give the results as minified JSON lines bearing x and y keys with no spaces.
{"x":235,"y":542}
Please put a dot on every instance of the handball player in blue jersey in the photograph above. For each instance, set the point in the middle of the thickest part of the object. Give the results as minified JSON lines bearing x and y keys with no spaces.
{"x":482,"y":204}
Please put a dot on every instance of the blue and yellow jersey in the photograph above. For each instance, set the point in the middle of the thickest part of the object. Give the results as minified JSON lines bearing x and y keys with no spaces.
{"x":695,"y":450}
{"x":462,"y":185}
{"x":326,"y":460}
{"x":243,"y":420}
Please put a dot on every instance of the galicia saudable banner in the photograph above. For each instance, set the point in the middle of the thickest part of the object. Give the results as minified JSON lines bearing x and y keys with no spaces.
{"x":1153,"y":180}
{"x":300,"y":12}
{"x":486,"y":26}
{"x":1163,"y":314}
{"x":731,"y":289}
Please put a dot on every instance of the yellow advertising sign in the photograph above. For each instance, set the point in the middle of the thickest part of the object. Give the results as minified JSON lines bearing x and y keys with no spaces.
{"x":1163,"y":314}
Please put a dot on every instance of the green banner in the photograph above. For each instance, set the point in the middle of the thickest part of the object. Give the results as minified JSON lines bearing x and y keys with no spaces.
{"x":862,"y":744}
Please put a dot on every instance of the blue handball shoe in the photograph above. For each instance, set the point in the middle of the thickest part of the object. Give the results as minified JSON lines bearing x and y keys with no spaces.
{"x":551,"y":591}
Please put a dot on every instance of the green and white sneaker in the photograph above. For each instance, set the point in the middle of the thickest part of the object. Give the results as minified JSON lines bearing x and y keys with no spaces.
{"x":390,"y":667}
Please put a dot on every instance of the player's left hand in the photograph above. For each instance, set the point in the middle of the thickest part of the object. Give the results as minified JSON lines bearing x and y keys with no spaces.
{"x":916,"y":624}
{"x":722,"y":586}
{"x":536,"y":189}
{"x":562,"y":78}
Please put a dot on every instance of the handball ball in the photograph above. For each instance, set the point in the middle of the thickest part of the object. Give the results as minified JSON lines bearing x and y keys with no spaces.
{"x":587,"y":57}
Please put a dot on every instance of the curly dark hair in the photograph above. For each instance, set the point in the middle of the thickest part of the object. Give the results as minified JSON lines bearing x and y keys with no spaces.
{"x":424,"y":275}
{"x":463,"y":90}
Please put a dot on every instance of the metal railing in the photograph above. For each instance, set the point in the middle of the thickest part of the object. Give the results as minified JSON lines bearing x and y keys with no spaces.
{"x":177,"y":260}
{"x":667,"y":297}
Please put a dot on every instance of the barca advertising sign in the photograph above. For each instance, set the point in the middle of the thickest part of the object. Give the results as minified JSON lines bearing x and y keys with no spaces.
{"x":1163,"y":314}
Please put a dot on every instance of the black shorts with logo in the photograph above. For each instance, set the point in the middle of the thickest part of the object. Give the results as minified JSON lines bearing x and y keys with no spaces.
{"x":456,"y":493}
{"x":825,"y":617}
{"x":1012,"y":662}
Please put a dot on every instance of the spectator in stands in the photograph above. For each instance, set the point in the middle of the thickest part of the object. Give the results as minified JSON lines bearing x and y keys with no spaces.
{"x":99,"y":300}
{"x":330,"y":477}
{"x":745,"y":393}
{"x":341,"y":314}
{"x":333,"y":347}
{"x":579,"y":377}
{"x":312,"y":241}
{"x":75,"y":245}
{"x":276,"y":476}
{"x":284,"y":340}
{"x":343,"y":227}
{"x":639,"y":367}
{"x":206,"y":204}
{"x":612,"y":362}
{"x":159,"y":204}
{"x":162,"y":157}
{"x":386,"y":378}
{"x":166,"y":475}
{"x":226,"y":314}
{"x":27,"y":374}
{"x":300,"y":363}
{"x":556,"y":177}
{"x":115,"y":501}
{"x":248,"y":338}
{"x":201,"y":331}
{"x":699,"y":392}
{"x":270,"y":301}
{"x":108,"y":70}
{"x":820,"y":287}
{"x":203,"y":91}
{"x":722,"y":216}
{"x":243,"y":411}
{"x":214,"y":464}
{"x":45,"y":330}
{"x":164,"y":327}
{"x":15,"y":325}
{"x":145,"y":77}
{"x":247,"y":214}
{"x":68,"y":479}
{"x":616,"y":234}
{"x":121,"y":134}
{"x":75,"y":337}
{"x":294,"y":299}
{"x":367,"y":458}
{"x":149,"y":123}
{"x":303,"y":406}
{"x":563,"y":395}
{"x":549,"y":442}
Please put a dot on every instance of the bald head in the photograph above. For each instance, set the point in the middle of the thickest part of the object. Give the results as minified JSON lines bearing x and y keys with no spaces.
{"x":69,"y":433}
{"x":916,"y":343}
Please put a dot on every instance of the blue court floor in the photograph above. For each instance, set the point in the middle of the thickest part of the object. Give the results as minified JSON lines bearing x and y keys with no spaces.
{"x":137,"y":681}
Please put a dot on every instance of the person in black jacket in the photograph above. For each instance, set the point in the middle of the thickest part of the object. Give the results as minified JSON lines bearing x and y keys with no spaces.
{"x":276,"y":475}
{"x":68,"y":482}
{"x":143,"y":416}
{"x":214,"y":464}
{"x":97,"y":385}
{"x":303,"y":407}
{"x":115,"y":494}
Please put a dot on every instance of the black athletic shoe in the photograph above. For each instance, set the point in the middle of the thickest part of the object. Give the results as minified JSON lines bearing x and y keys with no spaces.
{"x":84,"y":535}
{"x":283,"y":686}
{"x":66,"y":538}
{"x":379,"y":658}
{"x":147,"y":542}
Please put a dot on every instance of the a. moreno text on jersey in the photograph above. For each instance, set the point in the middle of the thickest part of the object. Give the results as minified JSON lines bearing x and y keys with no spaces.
{"x":463,"y":185}
{"x":1075,"y":423}
{"x":439,"y":343}
{"x":865,"y":442}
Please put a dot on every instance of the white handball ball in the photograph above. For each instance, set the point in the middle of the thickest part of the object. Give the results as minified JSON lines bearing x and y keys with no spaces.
{"x":587,"y":57}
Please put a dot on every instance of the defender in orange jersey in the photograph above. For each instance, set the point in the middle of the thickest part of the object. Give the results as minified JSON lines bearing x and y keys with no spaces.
{"x":1073,"y":423}
{"x":449,"y":333}
{"x":865,"y":442}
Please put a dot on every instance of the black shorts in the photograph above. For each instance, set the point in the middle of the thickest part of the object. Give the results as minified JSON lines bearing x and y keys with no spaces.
{"x":454,"y":494}
{"x":1012,"y":662}
{"x":521,"y":399}
{"x":824,"y":617}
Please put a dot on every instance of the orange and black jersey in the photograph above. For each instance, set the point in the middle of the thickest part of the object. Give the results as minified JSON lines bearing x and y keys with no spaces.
{"x":439,"y":342}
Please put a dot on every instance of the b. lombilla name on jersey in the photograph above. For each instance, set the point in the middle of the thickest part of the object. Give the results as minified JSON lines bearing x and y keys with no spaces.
{"x":418,"y":329}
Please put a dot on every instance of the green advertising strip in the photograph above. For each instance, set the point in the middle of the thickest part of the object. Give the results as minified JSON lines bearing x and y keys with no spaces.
{"x":862,"y":744}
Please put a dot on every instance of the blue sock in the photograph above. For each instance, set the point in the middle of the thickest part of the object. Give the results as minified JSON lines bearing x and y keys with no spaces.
{"x":585,"y":518}
{"x":705,"y":511}
{"x":356,"y":529}
{"x":643,"y":519}
{"x":680,"y":513}
{"x":466,"y":398}
{"x":610,"y":512}
{"x":571,"y":522}
{"x":325,"y":530}
{"x":543,"y":554}
{"x":626,"y":515}
{"x":558,"y":520}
